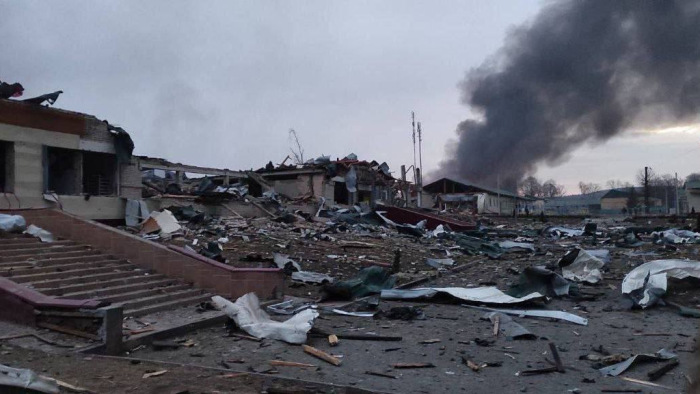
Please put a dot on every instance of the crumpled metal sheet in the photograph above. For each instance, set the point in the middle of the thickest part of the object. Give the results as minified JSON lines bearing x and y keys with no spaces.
{"x":584,"y":268}
{"x":616,"y":369}
{"x":540,"y":280}
{"x":508,"y":327}
{"x":646,"y":283}
{"x":439,"y":263}
{"x":558,"y":232}
{"x":311,"y":277}
{"x":559,"y":315}
{"x":511,"y":246}
{"x":486,"y":295}
{"x":250,"y":318}
{"x":26,"y":379}
{"x":677,"y":236}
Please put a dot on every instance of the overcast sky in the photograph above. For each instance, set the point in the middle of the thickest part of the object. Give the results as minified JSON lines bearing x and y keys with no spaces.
{"x":220,"y":83}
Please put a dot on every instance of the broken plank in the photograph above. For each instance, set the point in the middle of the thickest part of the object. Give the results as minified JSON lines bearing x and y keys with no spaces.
{"x":661,"y":371}
{"x":412,"y":365}
{"x":557,"y":359}
{"x":382,"y":374}
{"x":70,"y":331}
{"x":282,"y":363}
{"x":321,"y":354}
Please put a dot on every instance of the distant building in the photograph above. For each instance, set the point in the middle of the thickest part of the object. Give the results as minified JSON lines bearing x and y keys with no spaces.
{"x":481,"y":199}
{"x":692,"y":196}
{"x":579,"y":204}
{"x":616,"y":201}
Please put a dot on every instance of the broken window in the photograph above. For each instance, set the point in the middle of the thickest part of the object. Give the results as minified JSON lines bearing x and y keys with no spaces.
{"x":99,"y":174}
{"x":6,"y":167}
{"x":340,"y":193}
{"x":63,"y":168}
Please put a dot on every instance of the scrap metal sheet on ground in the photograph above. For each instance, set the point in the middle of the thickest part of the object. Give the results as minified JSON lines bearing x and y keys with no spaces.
{"x":485,"y":295}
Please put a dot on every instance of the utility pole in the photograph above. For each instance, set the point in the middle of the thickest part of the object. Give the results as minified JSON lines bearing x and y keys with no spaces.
{"x":678,"y":205}
{"x":413,"y":125}
{"x":420,"y":148}
{"x":498,"y":190}
{"x":419,"y":170}
{"x":646,"y":190}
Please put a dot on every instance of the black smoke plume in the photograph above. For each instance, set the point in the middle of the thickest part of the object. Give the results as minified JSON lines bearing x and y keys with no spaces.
{"x":582,"y":71}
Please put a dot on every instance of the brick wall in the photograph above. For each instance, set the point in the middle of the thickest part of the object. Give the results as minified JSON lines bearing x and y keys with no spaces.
{"x":208,"y":274}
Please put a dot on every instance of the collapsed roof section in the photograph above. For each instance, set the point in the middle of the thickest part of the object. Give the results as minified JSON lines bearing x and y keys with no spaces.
{"x":32,"y":114}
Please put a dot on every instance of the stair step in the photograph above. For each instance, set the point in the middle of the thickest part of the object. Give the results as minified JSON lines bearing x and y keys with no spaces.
{"x":160,"y":298}
{"x":167,"y":306}
{"x":115,"y":274}
{"x":55,"y":262}
{"x":64,"y":268}
{"x":100,"y":284}
{"x":82,"y":252}
{"x":103,"y":292}
{"x":19,"y":240}
{"x":34,"y":245}
{"x":133,"y":295}
{"x":41,"y":251}
{"x":9,"y":236}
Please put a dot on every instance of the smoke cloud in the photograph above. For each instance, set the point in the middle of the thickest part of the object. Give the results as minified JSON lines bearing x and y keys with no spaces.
{"x":582,"y":71}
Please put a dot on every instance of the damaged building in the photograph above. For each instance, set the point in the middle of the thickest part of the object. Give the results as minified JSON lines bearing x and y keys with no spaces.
{"x":344,"y":181}
{"x":448,"y":192}
{"x":62,"y":159}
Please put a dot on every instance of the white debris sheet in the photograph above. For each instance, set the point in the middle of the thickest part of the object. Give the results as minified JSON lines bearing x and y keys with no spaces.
{"x":486,"y":295}
{"x":584,"y":268}
{"x":12,"y":223}
{"x":511,"y":246}
{"x":657,"y":272}
{"x":250,"y":318}
{"x":559,"y":315}
{"x":163,"y":222}
{"x":40,"y":233}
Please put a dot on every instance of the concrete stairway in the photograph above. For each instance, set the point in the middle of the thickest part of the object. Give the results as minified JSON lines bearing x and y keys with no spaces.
{"x":65,"y":269}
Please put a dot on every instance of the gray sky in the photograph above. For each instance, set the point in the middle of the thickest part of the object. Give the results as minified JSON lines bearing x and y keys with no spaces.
{"x":220,"y":83}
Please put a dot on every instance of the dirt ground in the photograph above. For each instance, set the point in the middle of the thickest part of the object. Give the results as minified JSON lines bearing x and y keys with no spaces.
{"x":450,"y":335}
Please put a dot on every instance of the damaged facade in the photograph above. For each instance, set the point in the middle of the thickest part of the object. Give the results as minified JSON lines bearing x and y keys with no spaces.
{"x":62,"y":159}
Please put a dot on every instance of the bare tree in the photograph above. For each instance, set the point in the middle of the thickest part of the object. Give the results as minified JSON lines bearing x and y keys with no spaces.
{"x":551,"y":189}
{"x":617,"y":184}
{"x":296,"y":148}
{"x":530,"y":187}
{"x":587,"y":188}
